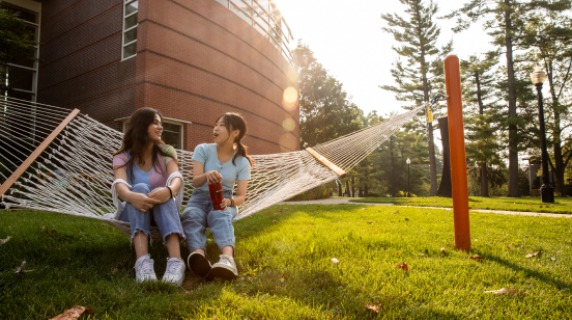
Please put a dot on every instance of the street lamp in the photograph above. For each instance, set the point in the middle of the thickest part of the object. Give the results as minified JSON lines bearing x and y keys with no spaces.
{"x":546,"y":191}
{"x":408,"y":161}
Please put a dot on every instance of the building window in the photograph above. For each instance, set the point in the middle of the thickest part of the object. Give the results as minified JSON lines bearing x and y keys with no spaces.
{"x":129,"y":42}
{"x":173,"y":134}
{"x":20,"y":74}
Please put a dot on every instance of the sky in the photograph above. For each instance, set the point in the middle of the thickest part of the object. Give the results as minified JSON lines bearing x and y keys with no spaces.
{"x":346,"y":37}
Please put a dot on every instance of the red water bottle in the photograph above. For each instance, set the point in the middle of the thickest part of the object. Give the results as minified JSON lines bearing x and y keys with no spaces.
{"x":215,"y":190}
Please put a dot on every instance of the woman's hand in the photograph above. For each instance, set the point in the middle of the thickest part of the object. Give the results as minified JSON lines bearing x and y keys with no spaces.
{"x":160,"y":194}
{"x":213,"y":176}
{"x":225,"y":203}
{"x":142,"y":202}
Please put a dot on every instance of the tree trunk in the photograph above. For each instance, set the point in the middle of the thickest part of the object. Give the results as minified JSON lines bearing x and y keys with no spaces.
{"x":445,"y":187}
{"x":484,"y":180}
{"x":512,"y":116}
{"x":432,"y":161}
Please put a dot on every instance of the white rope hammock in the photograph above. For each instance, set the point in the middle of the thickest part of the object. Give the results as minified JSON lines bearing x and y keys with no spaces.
{"x":72,"y":174}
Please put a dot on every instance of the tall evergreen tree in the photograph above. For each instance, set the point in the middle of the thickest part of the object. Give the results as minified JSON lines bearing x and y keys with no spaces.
{"x":417,"y":34}
{"x":549,"y":32}
{"x":504,"y":23}
{"x":482,"y":117}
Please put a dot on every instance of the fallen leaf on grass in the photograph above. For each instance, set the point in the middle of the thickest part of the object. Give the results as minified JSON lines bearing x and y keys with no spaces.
{"x":402,"y":265}
{"x":532,"y":254}
{"x":373,"y":307}
{"x":72,"y":314}
{"x":3,"y":241}
{"x":21,"y":268}
{"x":476,"y":257}
{"x":501,"y":291}
{"x":506,"y":291}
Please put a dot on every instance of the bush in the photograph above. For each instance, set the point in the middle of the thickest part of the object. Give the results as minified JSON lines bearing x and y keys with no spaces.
{"x":320,"y":192}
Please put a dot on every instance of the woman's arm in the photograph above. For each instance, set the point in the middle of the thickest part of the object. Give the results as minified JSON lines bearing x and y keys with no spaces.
{"x":163,"y":194}
{"x":139,"y":200}
{"x":240,"y":196}
{"x":200,"y":177}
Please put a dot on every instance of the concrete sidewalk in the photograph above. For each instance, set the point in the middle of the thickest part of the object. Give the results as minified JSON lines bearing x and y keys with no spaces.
{"x":332,"y":201}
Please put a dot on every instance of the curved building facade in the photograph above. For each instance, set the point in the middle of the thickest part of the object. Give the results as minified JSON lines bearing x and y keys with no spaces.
{"x":191,"y":59}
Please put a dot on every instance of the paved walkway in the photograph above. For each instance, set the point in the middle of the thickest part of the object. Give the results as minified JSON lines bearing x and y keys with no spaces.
{"x":347,"y":201}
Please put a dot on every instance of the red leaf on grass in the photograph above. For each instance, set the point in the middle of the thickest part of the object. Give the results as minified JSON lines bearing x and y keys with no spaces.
{"x":402,"y":265}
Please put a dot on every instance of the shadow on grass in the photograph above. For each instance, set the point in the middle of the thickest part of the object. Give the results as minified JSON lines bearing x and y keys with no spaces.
{"x":560,"y":285}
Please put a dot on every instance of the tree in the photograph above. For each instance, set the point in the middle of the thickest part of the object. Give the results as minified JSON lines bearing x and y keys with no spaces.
{"x":418,"y":36}
{"x":549,"y":32}
{"x":482,"y":124}
{"x":504,"y":23}
{"x":325,"y":112}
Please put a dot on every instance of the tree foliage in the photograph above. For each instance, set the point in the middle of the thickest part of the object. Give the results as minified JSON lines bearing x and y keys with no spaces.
{"x":421,"y":71}
{"x":325,"y":112}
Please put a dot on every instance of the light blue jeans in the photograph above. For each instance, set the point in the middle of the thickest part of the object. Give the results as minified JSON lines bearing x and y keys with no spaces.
{"x":166,"y":216}
{"x":199,"y":215}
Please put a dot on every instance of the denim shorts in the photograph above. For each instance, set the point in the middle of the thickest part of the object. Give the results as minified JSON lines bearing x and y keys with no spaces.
{"x":199,"y":215}
{"x":165,"y":215}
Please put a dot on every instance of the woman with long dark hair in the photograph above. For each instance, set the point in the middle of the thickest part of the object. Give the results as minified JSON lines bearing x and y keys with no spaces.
{"x":223,"y":162}
{"x":147,"y":179}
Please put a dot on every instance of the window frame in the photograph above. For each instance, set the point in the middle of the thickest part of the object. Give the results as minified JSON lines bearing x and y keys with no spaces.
{"x":126,"y":29}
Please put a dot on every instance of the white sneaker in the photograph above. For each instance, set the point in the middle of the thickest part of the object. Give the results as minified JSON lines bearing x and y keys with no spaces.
{"x":175,"y":272}
{"x":144,"y":270}
{"x":225,"y":268}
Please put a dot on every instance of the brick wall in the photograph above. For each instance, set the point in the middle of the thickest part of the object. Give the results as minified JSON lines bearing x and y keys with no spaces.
{"x":195,"y":60}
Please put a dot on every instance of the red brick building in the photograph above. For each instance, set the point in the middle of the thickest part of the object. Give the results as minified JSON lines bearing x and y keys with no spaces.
{"x":190,"y":59}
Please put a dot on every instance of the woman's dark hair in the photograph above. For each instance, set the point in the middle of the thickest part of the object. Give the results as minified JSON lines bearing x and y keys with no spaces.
{"x":234,"y":121}
{"x":136,"y":138}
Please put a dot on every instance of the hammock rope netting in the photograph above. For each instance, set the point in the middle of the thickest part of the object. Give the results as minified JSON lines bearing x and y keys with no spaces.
{"x":73,"y":174}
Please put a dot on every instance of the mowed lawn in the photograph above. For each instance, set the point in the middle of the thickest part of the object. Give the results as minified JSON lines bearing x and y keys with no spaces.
{"x":300,"y":262}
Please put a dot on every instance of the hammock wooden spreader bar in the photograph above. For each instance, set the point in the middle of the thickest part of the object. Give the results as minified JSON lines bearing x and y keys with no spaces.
{"x":34,"y":155}
{"x":339,"y":171}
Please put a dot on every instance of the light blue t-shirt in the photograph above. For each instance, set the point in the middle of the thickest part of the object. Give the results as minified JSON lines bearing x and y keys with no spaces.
{"x":206,"y":153}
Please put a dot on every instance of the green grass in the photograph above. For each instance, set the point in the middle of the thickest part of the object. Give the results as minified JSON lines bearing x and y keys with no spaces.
{"x":523,"y":204}
{"x":284,"y":256}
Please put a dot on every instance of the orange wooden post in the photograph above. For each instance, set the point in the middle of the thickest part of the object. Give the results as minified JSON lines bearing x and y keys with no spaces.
{"x":457,"y":154}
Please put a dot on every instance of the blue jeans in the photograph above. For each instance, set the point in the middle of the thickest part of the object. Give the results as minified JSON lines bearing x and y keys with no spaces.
{"x":166,"y":216}
{"x":199,"y":215}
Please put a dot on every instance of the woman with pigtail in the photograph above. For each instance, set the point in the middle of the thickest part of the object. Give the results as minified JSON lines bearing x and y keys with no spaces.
{"x":224,"y":162}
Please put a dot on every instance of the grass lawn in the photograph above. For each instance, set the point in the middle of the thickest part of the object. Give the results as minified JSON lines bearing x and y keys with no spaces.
{"x":524,"y":204}
{"x":300,"y":262}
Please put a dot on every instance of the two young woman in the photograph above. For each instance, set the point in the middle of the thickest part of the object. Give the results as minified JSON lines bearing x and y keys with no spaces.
{"x":147,"y":178}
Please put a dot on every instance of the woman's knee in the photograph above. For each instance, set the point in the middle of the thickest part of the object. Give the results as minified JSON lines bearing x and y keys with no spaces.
{"x":141,"y":188}
{"x":193,"y":215}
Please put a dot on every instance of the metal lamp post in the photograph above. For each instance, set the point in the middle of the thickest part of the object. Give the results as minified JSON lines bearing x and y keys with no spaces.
{"x":546,"y":191}
{"x":408,"y":161}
